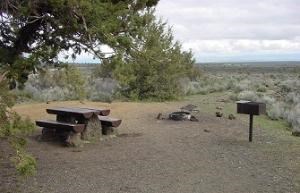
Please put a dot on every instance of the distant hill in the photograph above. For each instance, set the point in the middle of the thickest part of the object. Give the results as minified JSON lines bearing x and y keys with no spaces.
{"x":254,"y":64}
{"x":259,"y":67}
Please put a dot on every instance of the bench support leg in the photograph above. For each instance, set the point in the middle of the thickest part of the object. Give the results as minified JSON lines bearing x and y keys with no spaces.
{"x":73,"y":139}
{"x":48,"y":135}
{"x":106,"y":130}
{"x":92,"y":131}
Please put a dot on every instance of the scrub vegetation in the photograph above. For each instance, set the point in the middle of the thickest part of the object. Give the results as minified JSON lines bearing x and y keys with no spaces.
{"x":280,"y":90}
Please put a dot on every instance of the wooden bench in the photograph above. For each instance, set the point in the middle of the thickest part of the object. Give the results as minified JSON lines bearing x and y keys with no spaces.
{"x":108,"y":124}
{"x":109,"y":121}
{"x":76,"y":128}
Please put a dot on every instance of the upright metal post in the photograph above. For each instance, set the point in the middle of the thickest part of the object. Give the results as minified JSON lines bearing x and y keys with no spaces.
{"x":251,"y":128}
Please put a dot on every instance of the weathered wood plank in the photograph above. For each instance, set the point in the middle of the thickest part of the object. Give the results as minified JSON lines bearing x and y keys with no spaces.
{"x":75,"y":112}
{"x":109,"y":121}
{"x":103,"y":112}
{"x":77,"y":128}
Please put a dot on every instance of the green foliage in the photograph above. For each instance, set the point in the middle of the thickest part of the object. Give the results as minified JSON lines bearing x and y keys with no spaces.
{"x":25,"y":163}
{"x":75,"y":82}
{"x":154,"y":67}
{"x":19,"y":126}
{"x":14,"y":128}
{"x":40,"y":29}
{"x":106,"y":68}
{"x":6,"y":101}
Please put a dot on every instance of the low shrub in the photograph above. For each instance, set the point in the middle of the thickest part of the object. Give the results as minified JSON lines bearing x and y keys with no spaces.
{"x":293,"y":117}
{"x":241,"y":86}
{"x":281,"y":92}
{"x":276,"y":111}
{"x":261,"y":89}
{"x":56,"y":84}
{"x":248,"y":95}
{"x":101,"y":89}
{"x":14,"y":129}
{"x":25,"y":163}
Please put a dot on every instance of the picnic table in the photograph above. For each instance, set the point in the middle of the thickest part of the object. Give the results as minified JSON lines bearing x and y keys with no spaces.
{"x":79,"y":123}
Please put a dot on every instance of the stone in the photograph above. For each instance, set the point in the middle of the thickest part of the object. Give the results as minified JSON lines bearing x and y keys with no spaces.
{"x":193,"y":118}
{"x":296,"y":133}
{"x":109,"y":130}
{"x":93,"y":129}
{"x":73,"y":139}
{"x":219,"y":108}
{"x":159,"y":116}
{"x":48,"y":135}
{"x":231,"y":117}
{"x":219,"y":114}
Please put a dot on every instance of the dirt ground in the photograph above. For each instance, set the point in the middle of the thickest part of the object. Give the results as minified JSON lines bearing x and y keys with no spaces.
{"x":163,"y":156}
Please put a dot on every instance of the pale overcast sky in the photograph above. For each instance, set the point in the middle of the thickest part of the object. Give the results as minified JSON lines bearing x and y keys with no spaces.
{"x":234,"y":30}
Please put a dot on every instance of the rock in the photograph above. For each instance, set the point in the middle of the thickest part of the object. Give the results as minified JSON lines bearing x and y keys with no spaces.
{"x":93,"y":130}
{"x":74,"y":140}
{"x":219,"y":114}
{"x":219,"y":108}
{"x":206,"y":130}
{"x":48,"y":135}
{"x":109,"y":130}
{"x":193,"y":118}
{"x":159,"y":116}
{"x":296,"y":133}
{"x":231,"y":117}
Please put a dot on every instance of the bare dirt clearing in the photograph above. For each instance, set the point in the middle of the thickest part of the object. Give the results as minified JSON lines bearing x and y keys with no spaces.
{"x":149,"y":155}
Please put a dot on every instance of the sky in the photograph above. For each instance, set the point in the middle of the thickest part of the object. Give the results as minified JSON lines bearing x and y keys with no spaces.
{"x":233,"y":30}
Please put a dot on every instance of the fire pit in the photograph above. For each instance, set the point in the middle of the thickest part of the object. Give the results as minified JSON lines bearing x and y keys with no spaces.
{"x":180,"y":116}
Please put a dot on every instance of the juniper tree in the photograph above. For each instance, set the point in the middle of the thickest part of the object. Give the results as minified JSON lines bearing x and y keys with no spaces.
{"x":154,"y":66}
{"x":33,"y":32}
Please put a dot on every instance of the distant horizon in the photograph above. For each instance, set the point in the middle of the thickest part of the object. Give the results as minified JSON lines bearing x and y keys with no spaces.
{"x":234,"y":62}
{"x":279,"y":61}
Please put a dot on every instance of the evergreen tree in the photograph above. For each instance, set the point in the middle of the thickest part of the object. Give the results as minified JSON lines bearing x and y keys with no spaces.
{"x":154,"y":66}
{"x":33,"y":32}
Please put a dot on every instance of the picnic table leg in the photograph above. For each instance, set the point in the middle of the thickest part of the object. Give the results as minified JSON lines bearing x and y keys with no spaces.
{"x":106,"y":130}
{"x":48,"y":135}
{"x":92,"y":129}
{"x":70,"y":138}
{"x":73,"y":139}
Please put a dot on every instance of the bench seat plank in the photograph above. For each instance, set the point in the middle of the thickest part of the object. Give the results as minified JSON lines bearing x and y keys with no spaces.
{"x":109,"y":121}
{"x":77,"y":128}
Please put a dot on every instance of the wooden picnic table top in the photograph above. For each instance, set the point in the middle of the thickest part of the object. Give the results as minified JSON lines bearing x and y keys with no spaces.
{"x":77,"y":111}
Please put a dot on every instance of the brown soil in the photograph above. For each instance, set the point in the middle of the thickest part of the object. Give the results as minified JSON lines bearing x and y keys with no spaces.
{"x":212,"y":155}
{"x":8,"y":175}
